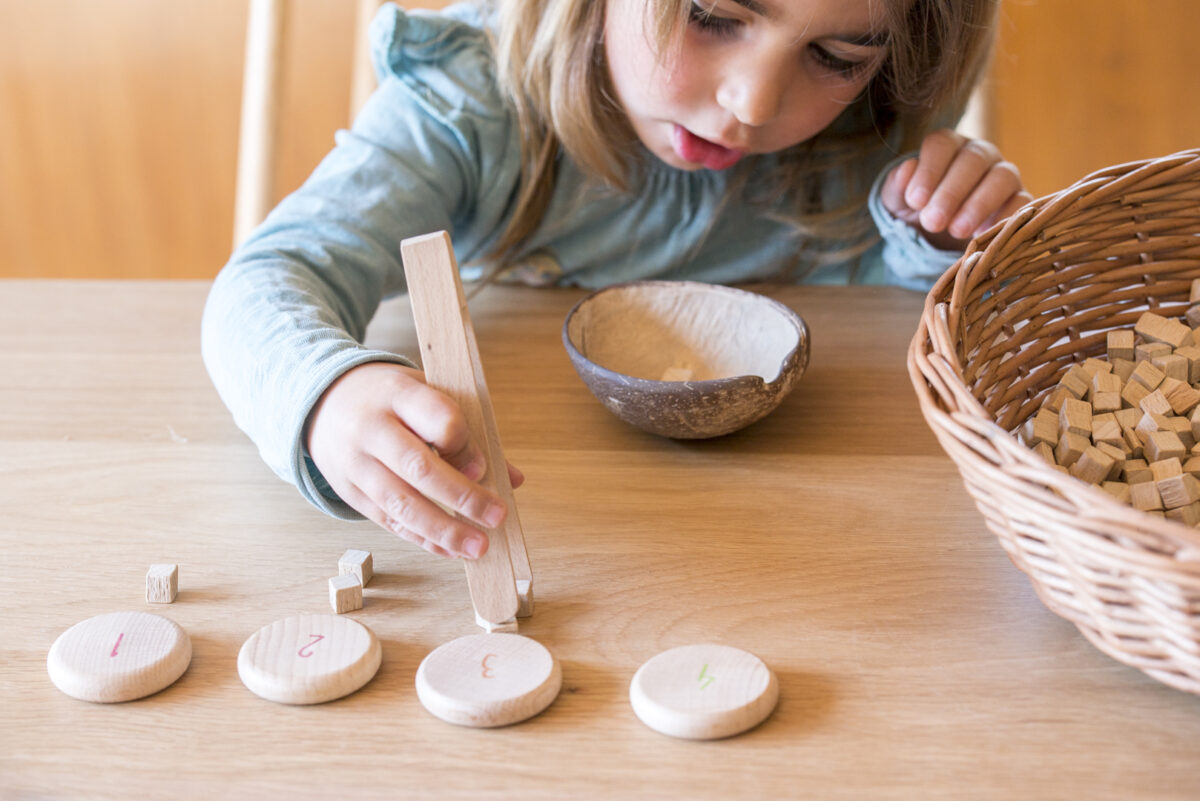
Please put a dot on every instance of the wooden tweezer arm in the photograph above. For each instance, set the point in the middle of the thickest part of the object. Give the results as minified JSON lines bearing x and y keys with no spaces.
{"x":500,"y":581}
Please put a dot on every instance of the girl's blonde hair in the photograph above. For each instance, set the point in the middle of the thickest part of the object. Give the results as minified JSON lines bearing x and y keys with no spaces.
{"x":551,"y":66}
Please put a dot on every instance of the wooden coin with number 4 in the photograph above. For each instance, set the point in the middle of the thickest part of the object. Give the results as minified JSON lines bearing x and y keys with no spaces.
{"x":703,"y":692}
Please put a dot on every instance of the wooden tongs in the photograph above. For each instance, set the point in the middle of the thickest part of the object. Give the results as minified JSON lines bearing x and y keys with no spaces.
{"x":500,"y":581}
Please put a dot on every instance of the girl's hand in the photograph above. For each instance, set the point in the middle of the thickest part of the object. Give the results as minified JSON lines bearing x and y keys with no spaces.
{"x":955,"y":189}
{"x":371,"y":433}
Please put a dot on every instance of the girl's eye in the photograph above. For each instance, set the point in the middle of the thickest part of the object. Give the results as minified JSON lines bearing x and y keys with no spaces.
{"x":836,"y":64}
{"x":704,"y":20}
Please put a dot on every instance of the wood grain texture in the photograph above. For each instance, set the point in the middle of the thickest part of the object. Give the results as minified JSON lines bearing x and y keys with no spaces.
{"x":309,"y":659}
{"x":119,"y":656}
{"x":450,"y":359}
{"x":703,"y":692}
{"x":162,"y":584}
{"x":359,"y":563}
{"x":833,"y":539}
{"x":488,"y":680}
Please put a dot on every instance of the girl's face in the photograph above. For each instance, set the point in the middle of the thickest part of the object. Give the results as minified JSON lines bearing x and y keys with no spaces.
{"x":749,"y":76}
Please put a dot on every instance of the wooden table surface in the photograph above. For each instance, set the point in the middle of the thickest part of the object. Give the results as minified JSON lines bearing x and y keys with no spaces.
{"x":833,"y":539}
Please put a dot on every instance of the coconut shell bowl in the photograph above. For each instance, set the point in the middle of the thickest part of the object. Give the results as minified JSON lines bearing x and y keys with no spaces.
{"x":686,"y":360}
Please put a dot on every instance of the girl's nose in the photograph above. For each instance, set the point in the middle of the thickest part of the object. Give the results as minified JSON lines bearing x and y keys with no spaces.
{"x":753,"y":92}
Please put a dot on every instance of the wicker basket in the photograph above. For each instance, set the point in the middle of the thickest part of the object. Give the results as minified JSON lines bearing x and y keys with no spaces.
{"x":1029,"y":298}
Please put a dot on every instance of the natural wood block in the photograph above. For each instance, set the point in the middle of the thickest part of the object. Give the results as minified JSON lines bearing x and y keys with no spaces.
{"x":1076,"y":381}
{"x":345,"y":593}
{"x":1156,"y":328}
{"x":488,"y":680}
{"x":1172,"y":365}
{"x":1070,"y":447}
{"x":1105,"y":428}
{"x":119,"y":656}
{"x":1147,"y":351}
{"x":1120,"y":345}
{"x":1147,"y":375}
{"x":1075,"y":417}
{"x":1135,"y":471}
{"x":1133,"y":391}
{"x":1094,"y":367}
{"x":1054,"y":398}
{"x":357,"y":563}
{"x":1155,"y":403}
{"x":1166,"y":468}
{"x":1152,"y":422}
{"x":1106,"y":402}
{"x":1123,"y":368}
{"x":1189,"y":514}
{"x":703,"y":692}
{"x":1183,"y":428}
{"x":309,"y":659}
{"x":1118,"y":457}
{"x":1192,"y":465}
{"x":1193,"y":316}
{"x":1180,"y":395}
{"x":1045,"y":428}
{"x":1162,"y":445}
{"x":1046,"y":451}
{"x":1144,"y":496}
{"x":1106,"y":382}
{"x":1092,"y":466}
{"x":162,"y":584}
{"x":1177,"y":491}
{"x":1191,"y":354}
{"x":1117,"y":489}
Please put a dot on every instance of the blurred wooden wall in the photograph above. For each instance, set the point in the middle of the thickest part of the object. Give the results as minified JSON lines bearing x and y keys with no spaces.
{"x":119,"y":118}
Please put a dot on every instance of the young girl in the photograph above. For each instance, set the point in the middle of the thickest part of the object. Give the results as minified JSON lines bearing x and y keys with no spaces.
{"x":582,"y":143}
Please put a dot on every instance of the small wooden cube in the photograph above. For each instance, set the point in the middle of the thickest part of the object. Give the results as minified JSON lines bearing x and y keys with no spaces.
{"x":1055,"y":397}
{"x":1155,"y":403}
{"x":1070,"y":447}
{"x":1162,"y":445}
{"x":1076,"y":381}
{"x":1192,"y":465}
{"x":1177,"y":491}
{"x":1133,"y":391}
{"x":1094,"y":367}
{"x":162,"y":584}
{"x":1046,"y":451}
{"x":1147,"y":375}
{"x":1120,"y":345}
{"x":1191,"y":353}
{"x":1117,"y":489}
{"x":1105,"y":428}
{"x":1123,"y":368}
{"x":345,"y":593}
{"x":1183,"y":428}
{"x":1193,"y":316}
{"x":1156,"y":328}
{"x":357,"y":563}
{"x":1166,"y":468}
{"x":1135,"y":471}
{"x":1173,"y":366}
{"x":1148,"y":351}
{"x":1182,"y":397}
{"x":1076,"y":417}
{"x":1045,"y":428}
{"x":1188,"y":514}
{"x":1092,"y":466}
{"x":1144,"y":496}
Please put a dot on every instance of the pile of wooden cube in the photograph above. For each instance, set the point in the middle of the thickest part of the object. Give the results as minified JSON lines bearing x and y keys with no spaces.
{"x":1130,"y":423}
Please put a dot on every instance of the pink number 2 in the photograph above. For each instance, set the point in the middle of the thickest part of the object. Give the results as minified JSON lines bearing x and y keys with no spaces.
{"x":316,"y":638}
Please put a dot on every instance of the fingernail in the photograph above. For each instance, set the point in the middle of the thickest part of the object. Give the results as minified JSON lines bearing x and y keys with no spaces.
{"x":473,"y":546}
{"x":494,"y":515}
{"x":917,"y":197}
{"x":933,"y":219}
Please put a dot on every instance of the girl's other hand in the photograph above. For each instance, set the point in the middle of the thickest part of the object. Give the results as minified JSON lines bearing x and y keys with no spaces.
{"x":390,"y":446}
{"x":955,"y":189}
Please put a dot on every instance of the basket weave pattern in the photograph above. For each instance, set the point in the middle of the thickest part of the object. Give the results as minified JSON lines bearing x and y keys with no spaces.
{"x":1028,"y":299}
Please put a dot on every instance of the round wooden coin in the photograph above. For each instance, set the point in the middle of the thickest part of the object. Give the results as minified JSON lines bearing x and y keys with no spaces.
{"x":119,"y":656}
{"x":309,"y":659}
{"x":487,"y":680}
{"x":703,"y":692}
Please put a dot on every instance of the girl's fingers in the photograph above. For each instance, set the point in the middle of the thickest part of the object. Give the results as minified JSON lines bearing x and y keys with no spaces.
{"x":971,"y":165}
{"x":435,"y":419}
{"x":938,"y":150}
{"x":412,"y":461}
{"x":998,"y":186}
{"x":515,"y":477}
{"x":400,"y":508}
{"x":891,"y":194}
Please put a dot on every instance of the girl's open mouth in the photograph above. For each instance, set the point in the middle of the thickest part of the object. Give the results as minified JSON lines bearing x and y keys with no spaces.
{"x":694,"y":150}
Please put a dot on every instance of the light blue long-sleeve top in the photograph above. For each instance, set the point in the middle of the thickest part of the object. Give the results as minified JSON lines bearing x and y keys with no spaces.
{"x":436,"y":147}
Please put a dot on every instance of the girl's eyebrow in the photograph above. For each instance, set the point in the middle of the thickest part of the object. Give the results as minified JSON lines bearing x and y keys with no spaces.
{"x":878,"y":39}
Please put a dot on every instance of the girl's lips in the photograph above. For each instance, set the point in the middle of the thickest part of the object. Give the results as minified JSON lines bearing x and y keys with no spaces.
{"x":694,"y":150}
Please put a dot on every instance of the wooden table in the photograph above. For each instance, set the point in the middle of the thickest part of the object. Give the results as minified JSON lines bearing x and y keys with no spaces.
{"x":834,"y":539}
